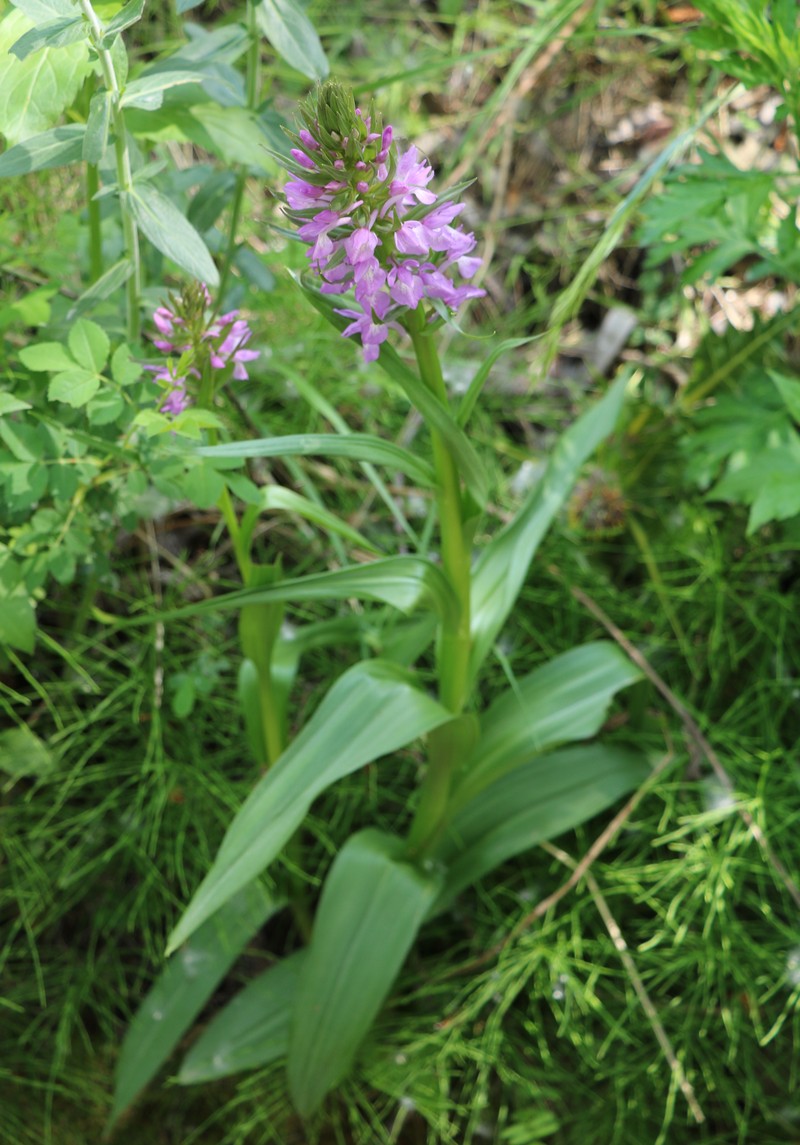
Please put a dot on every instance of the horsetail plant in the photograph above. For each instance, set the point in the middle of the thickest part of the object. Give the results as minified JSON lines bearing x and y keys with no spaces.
{"x":387,"y":262}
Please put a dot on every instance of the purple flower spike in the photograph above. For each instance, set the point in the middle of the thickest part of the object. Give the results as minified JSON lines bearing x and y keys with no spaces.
{"x":371,"y":222}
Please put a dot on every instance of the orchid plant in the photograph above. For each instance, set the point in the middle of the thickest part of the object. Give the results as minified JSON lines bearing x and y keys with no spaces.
{"x":387,"y":264}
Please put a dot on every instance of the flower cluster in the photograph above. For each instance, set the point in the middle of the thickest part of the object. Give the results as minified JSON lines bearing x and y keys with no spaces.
{"x":199,"y":341}
{"x":372,"y":224}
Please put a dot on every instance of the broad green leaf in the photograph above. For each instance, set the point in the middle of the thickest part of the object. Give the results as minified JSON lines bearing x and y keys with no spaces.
{"x":251,"y":1031}
{"x":405,"y":583}
{"x":10,"y":404}
{"x":148,"y":90}
{"x":23,"y":755}
{"x":419,"y":395}
{"x":105,"y":407}
{"x":57,"y":34}
{"x":372,"y":710}
{"x":278,"y":497}
{"x":97,"y":127}
{"x":54,"y":148}
{"x":115,"y":277}
{"x":48,"y":356}
{"x":371,"y":908}
{"x":292,"y":35}
{"x":17,"y":622}
{"x":89,"y":344}
{"x":539,"y":800}
{"x":124,"y":370}
{"x":43,"y":11}
{"x":34,"y":92}
{"x":566,"y":699}
{"x":171,"y":233}
{"x":203,"y":485}
{"x":184,"y":987}
{"x":75,"y":387}
{"x":358,"y":446}
{"x":501,"y":569}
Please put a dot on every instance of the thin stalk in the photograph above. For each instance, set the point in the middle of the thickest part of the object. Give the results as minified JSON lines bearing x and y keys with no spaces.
{"x":455,"y":638}
{"x":124,"y":172}
{"x":252,"y":91}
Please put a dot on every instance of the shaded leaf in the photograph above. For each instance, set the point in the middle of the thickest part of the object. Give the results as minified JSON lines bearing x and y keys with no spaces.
{"x":148,"y":90}
{"x":293,"y":37}
{"x":537,"y":801}
{"x":372,"y":710}
{"x":17,"y":622}
{"x":278,"y":497}
{"x":566,"y":699}
{"x":97,"y":126}
{"x":56,"y":34}
{"x":503,"y":565}
{"x":372,"y":906}
{"x":23,"y":755}
{"x":251,"y":1031}
{"x":171,"y":233}
{"x":184,"y":987}
{"x":54,"y":148}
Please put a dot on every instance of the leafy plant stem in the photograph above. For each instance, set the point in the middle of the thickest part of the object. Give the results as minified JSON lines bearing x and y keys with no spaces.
{"x":124,"y":171}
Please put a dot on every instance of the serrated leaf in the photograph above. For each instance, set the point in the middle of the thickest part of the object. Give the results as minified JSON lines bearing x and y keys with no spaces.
{"x":372,"y":710}
{"x":75,"y":387}
{"x":171,"y":233}
{"x":23,"y":755}
{"x":89,"y":345}
{"x":34,"y":92}
{"x":56,"y":34}
{"x":54,"y":148}
{"x":537,"y":801}
{"x":182,"y":990}
{"x":49,"y":356}
{"x":501,"y":569}
{"x":372,"y":905}
{"x":293,"y":37}
{"x":124,"y":370}
{"x":251,"y":1031}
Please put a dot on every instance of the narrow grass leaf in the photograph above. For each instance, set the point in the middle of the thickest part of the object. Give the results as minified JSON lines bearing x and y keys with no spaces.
{"x":171,"y":233}
{"x":503,"y":566}
{"x":182,"y":990}
{"x":406,"y":583}
{"x":293,"y":37}
{"x":566,"y":699}
{"x":54,"y":148}
{"x":372,"y":906}
{"x":372,"y":710}
{"x":481,"y":377}
{"x":540,"y":800}
{"x":279,"y":498}
{"x":251,"y":1031}
{"x":357,"y":446}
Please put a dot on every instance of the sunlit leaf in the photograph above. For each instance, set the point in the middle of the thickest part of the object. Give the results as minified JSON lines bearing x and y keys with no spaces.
{"x":54,"y":148}
{"x":372,"y":710}
{"x":292,"y":35}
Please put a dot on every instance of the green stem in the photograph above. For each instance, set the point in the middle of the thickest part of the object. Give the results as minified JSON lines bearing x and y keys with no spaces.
{"x":455,"y":638}
{"x":253,"y":91}
{"x":446,"y":746}
{"x":124,"y":171}
{"x":93,"y":212}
